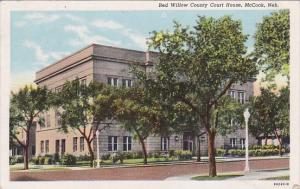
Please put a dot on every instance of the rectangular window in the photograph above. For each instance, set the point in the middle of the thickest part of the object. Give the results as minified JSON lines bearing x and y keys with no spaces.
{"x":47,"y":146}
{"x":57,"y":146}
{"x":83,"y":81}
{"x":48,"y":120}
{"x":63,"y":146}
{"x":57,"y":119}
{"x":58,"y":89}
{"x":127,"y":143}
{"x":74,"y":144}
{"x":242,"y":143}
{"x":112,"y":143}
{"x":126,"y":83}
{"x":241,"y":97}
{"x":112,"y":81}
{"x":231,"y":94}
{"x":42,"y":146}
{"x":81,"y":144}
{"x":233,"y":142}
{"x":165,"y":143}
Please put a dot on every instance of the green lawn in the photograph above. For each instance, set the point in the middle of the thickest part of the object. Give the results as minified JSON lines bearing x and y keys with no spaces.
{"x":286,"y":177}
{"x":219,"y":177}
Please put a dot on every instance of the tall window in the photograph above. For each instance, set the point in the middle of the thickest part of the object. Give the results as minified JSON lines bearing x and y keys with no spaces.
{"x":112,"y":143}
{"x":231,"y":94}
{"x":113,"y":81}
{"x":58,"y":119}
{"x":81,"y":144}
{"x":233,"y":142}
{"x":42,"y":146}
{"x":242,"y":143}
{"x":83,"y":81}
{"x":126,"y":83}
{"x":63,"y":146}
{"x":48,"y":120}
{"x":47,"y":146}
{"x":57,"y":146}
{"x":241,"y":97}
{"x":74,"y":144}
{"x":127,"y":143}
{"x":164,"y":143}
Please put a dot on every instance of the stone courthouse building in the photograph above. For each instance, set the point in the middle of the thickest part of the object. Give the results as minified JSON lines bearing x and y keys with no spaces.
{"x":110,"y":65}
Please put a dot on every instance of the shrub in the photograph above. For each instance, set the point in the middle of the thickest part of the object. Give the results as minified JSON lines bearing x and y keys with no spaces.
{"x":138,"y":155}
{"x":128,"y":155}
{"x":68,"y":159}
{"x":156,"y":155}
{"x":172,"y":153}
{"x":183,"y":154}
{"x":19,"y":159}
{"x":41,"y":160}
{"x":83,"y":158}
{"x":12,"y":160}
{"x":115,"y":157}
{"x":56,"y":157}
{"x":220,"y":152}
{"x":105,"y":157}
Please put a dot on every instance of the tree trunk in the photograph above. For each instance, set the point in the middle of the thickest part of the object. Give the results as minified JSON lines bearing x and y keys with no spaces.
{"x":89,"y":143}
{"x":211,"y":154}
{"x":279,"y":143}
{"x":199,"y":149}
{"x":266,"y":139}
{"x":26,"y":157}
{"x":144,"y":151}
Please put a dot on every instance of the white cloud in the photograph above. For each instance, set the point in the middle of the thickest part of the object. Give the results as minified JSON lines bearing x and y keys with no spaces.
{"x":107,"y":24}
{"x":41,"y":56}
{"x":138,"y":39}
{"x":36,"y":18}
{"x":85,"y":36}
{"x":74,"y":18}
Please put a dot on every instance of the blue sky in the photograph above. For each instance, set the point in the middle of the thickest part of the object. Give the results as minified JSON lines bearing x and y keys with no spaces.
{"x":41,"y":38}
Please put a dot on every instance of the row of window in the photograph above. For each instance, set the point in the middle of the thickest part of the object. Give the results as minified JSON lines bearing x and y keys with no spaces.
{"x":234,"y":143}
{"x":114,"y":81}
{"x":48,"y":120}
{"x":60,"y":145}
{"x":237,"y":95}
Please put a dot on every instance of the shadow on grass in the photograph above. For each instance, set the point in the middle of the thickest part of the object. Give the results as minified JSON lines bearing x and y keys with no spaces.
{"x":219,"y":177}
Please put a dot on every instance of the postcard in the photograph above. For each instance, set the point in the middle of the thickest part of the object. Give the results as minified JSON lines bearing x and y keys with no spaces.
{"x":143,"y":94}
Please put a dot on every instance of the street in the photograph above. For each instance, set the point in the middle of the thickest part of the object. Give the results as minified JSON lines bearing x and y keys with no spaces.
{"x":160,"y":172}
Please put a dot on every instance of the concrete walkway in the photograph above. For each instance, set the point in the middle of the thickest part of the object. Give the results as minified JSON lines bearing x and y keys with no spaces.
{"x":252,"y":175}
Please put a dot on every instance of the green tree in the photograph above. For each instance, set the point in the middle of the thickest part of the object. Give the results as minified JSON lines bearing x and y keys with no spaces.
{"x":85,"y":108}
{"x":270,"y":115}
{"x":197,"y":67}
{"x":142,"y":114}
{"x":272,"y":44}
{"x":26,"y":107}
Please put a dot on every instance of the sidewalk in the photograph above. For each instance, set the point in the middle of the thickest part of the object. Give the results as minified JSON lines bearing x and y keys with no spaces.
{"x":252,"y":175}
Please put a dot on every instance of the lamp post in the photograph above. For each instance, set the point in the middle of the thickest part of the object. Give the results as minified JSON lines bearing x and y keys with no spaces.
{"x":246,"y":116}
{"x":98,"y":152}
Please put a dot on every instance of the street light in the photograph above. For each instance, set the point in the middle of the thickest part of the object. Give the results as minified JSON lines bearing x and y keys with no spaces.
{"x":97,"y":146}
{"x":246,"y":116}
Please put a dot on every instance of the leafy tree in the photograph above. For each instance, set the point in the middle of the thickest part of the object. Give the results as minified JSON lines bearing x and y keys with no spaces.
{"x":272,"y":44}
{"x":270,"y":115}
{"x":85,"y":108}
{"x":197,"y":67}
{"x":144,"y":115}
{"x":26,"y":107}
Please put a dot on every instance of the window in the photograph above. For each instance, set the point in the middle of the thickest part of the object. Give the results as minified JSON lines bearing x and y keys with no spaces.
{"x":47,"y":146}
{"x":164,"y":143}
{"x":242,"y":143}
{"x":112,"y":143}
{"x":58,"y":119}
{"x":81,"y":144}
{"x":112,"y":81}
{"x":241,"y":97}
{"x":63,"y":146}
{"x":57,"y":146}
{"x":42,"y":146}
{"x":83,"y":81}
{"x":58,"y":89}
{"x":74,"y":144}
{"x":231,"y":94}
{"x":48,"y":120}
{"x":126,"y":83}
{"x":127,"y":143}
{"x":233,"y":142}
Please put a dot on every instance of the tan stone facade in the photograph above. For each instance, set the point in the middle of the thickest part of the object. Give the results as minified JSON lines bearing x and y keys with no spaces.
{"x":111,"y":65}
